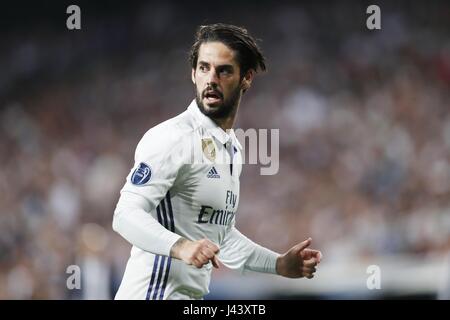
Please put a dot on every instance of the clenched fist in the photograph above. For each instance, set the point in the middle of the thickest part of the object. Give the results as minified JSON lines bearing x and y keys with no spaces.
{"x":299,"y":261}
{"x":197,"y":253}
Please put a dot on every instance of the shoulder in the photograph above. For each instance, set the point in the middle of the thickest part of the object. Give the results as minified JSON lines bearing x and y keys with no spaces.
{"x":169,"y":135}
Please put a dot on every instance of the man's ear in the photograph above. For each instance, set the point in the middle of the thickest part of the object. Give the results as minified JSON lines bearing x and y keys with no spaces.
{"x":247,"y":80}
{"x":193,"y":76}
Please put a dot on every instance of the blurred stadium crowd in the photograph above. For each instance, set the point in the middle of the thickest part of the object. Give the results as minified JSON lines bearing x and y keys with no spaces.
{"x":364,"y":119}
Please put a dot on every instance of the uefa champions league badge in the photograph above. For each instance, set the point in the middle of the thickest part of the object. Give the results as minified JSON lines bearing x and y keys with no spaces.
{"x":141,"y":175}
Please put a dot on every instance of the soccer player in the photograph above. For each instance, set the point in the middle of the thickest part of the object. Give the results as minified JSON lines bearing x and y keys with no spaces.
{"x":178,"y":205}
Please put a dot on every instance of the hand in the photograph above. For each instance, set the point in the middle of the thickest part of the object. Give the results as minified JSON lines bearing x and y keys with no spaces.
{"x":299,"y":261}
{"x":197,"y":253}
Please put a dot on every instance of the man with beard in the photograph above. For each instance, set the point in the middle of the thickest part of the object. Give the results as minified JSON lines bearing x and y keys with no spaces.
{"x":178,"y":205}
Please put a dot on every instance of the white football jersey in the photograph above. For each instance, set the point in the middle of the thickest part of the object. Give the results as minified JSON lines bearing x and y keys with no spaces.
{"x":184,"y":183}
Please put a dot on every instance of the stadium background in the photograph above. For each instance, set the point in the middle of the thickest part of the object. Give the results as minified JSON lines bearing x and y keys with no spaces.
{"x":364,"y":140}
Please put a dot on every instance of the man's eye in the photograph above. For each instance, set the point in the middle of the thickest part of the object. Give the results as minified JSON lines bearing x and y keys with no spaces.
{"x":202,"y":68}
{"x":225,"y":72}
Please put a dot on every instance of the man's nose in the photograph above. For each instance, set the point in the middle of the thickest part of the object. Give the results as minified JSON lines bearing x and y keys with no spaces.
{"x":213,"y":78}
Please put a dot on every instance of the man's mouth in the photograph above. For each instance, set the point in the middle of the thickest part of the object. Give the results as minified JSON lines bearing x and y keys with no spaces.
{"x":213,"y":96}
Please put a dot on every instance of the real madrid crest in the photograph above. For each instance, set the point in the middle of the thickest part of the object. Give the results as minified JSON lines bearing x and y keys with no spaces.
{"x":209,"y":149}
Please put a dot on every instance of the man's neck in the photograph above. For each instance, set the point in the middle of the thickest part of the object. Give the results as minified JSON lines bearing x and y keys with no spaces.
{"x":225,"y":124}
{"x":228,"y":122}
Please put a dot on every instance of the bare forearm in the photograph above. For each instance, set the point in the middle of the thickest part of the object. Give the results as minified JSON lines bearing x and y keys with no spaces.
{"x":178,"y":247}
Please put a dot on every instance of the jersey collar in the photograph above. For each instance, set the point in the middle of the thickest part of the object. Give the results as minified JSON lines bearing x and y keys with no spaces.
{"x":212,"y":127}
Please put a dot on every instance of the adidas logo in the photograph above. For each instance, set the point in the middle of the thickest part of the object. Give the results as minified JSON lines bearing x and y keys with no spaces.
{"x":213,"y":173}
